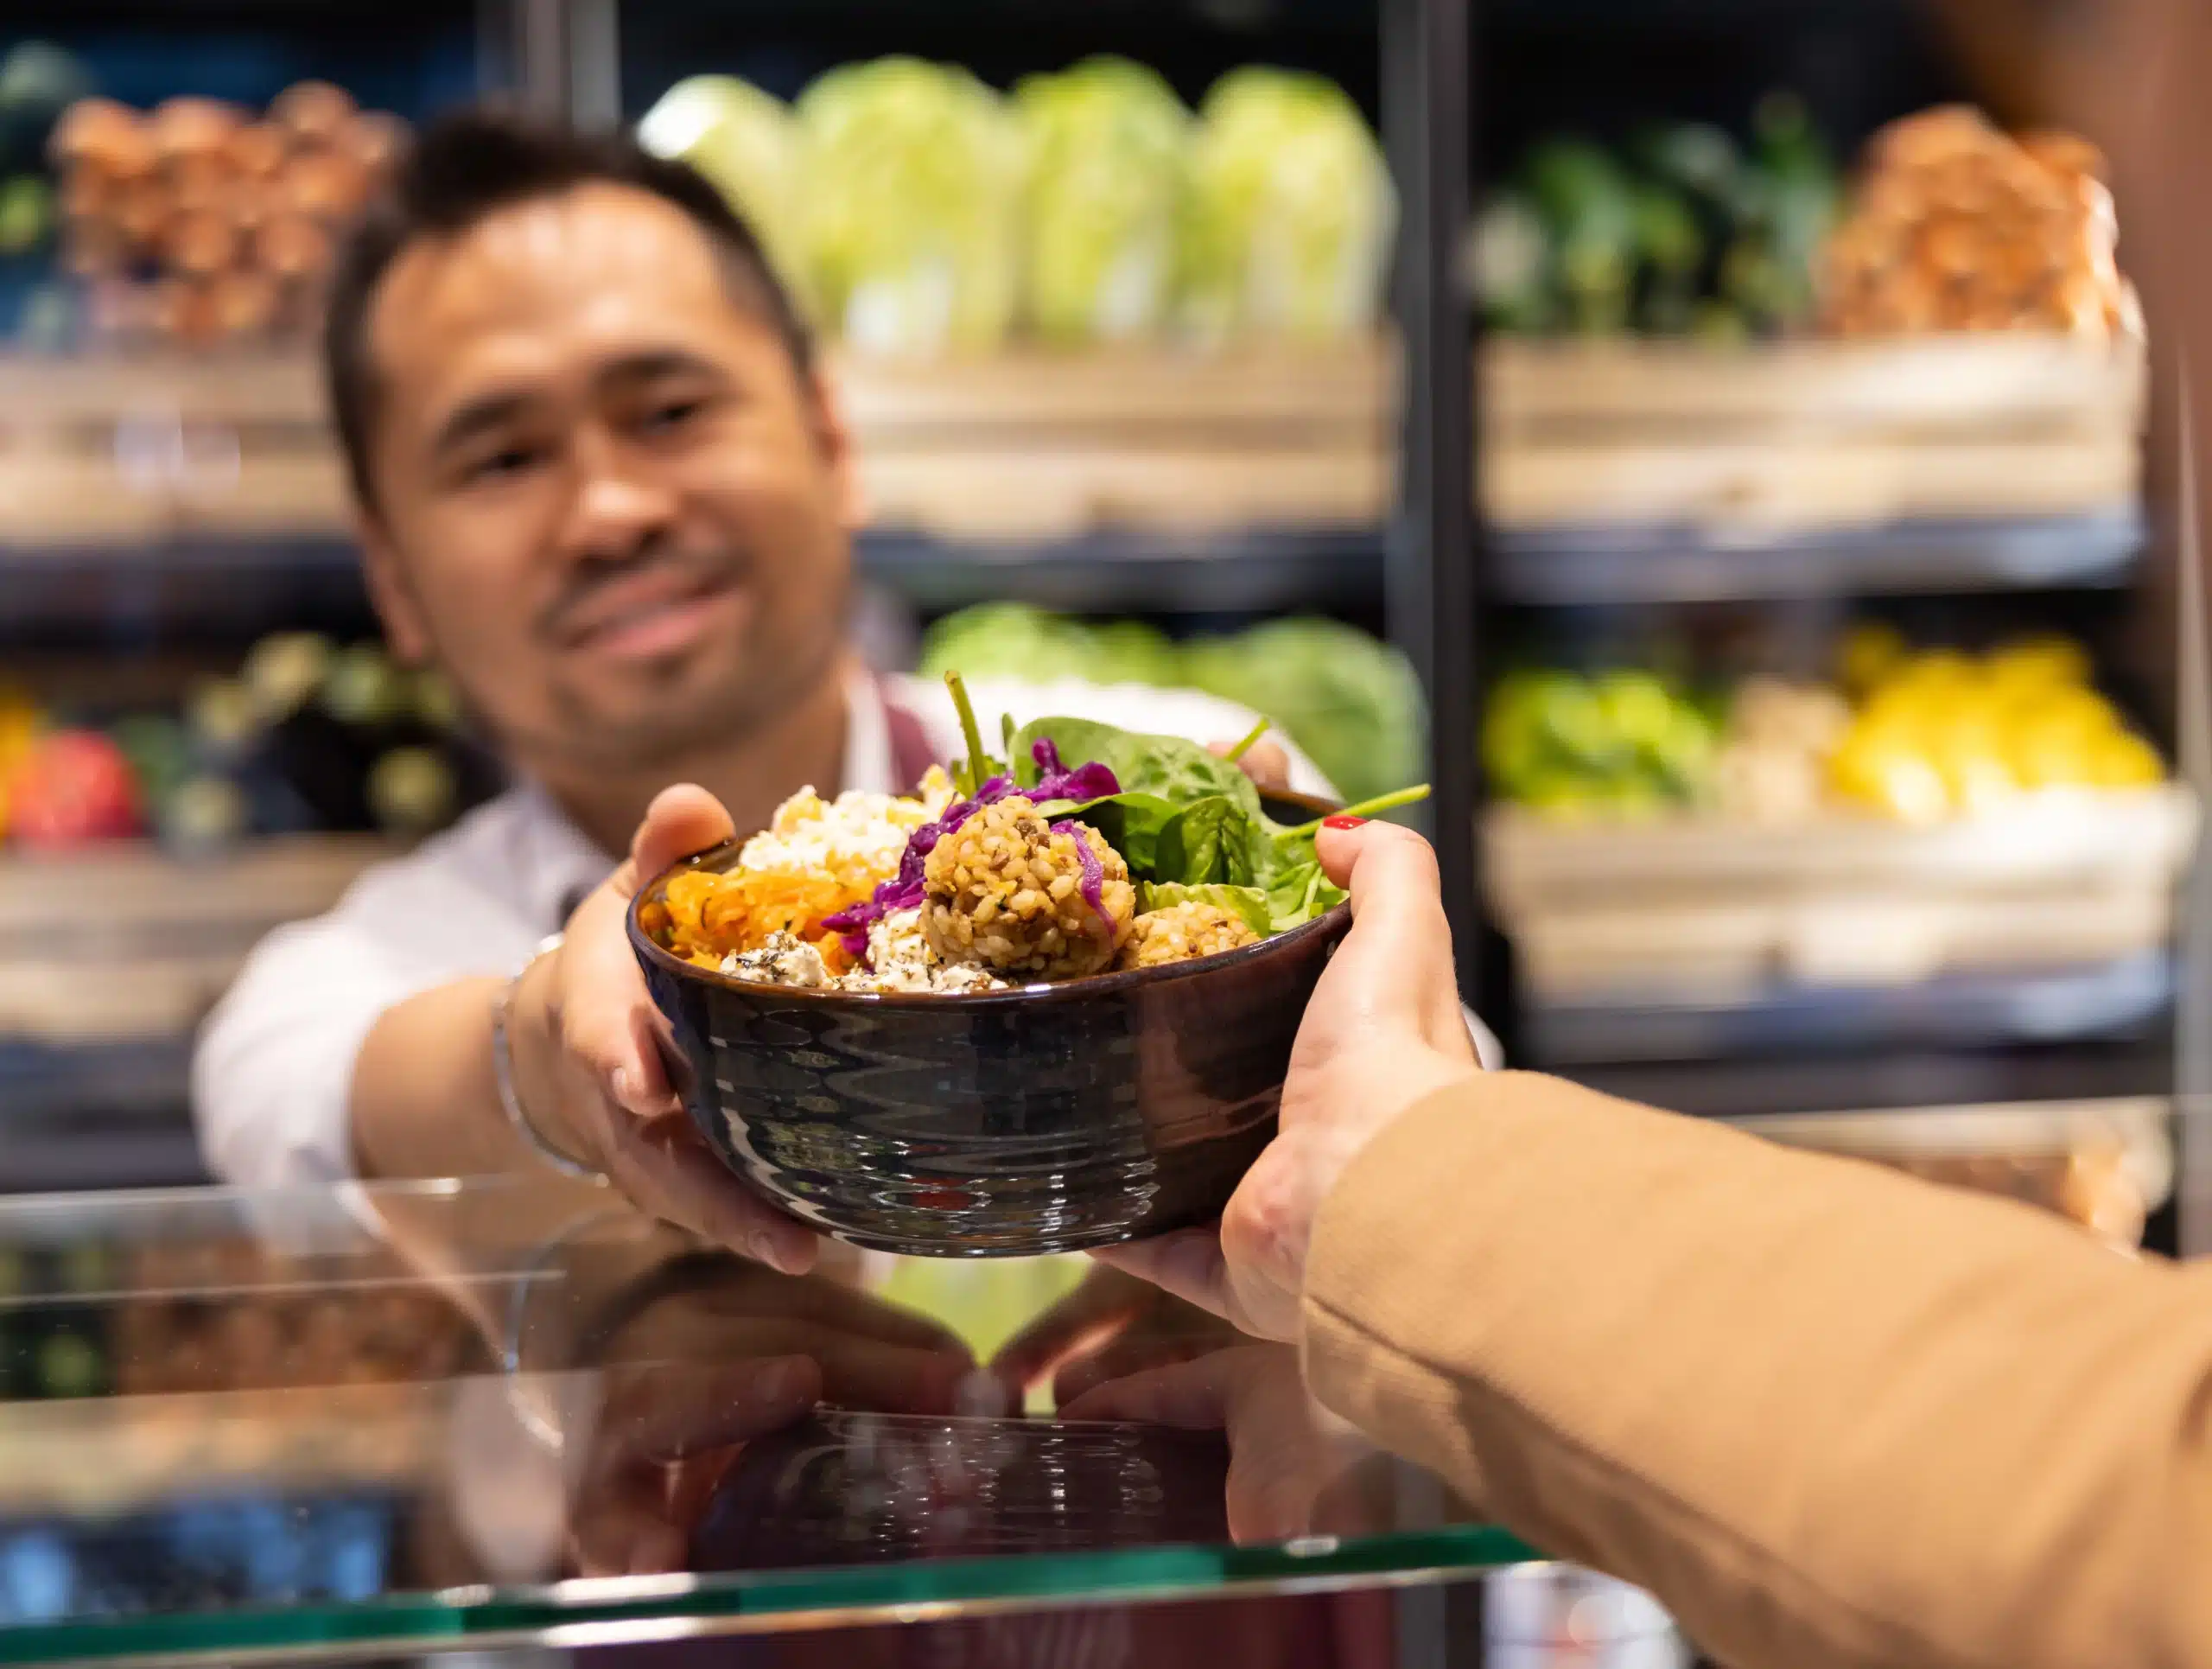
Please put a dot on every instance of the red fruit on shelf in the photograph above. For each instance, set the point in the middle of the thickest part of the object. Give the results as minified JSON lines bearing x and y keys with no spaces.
{"x":74,"y":786}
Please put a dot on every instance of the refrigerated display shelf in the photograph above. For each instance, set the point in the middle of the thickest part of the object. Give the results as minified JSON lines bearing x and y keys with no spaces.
{"x":1257,"y":570}
{"x":97,"y":1116}
{"x":1962,"y":1011}
{"x":234,"y":587}
{"x":1598,"y":565}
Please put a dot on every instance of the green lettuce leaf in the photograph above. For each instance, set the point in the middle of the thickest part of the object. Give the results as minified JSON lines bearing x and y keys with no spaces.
{"x":1249,"y":902}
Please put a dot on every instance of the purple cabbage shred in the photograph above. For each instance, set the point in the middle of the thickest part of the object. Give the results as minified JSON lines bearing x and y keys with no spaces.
{"x":904,"y":891}
{"x":1093,"y":872}
{"x":1055,"y":781}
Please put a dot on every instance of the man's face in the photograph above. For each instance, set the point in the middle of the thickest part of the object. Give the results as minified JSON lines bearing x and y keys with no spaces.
{"x":607,"y":502}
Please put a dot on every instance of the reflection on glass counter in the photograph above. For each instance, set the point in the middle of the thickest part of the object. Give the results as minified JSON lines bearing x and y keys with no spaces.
{"x":382,"y":1415}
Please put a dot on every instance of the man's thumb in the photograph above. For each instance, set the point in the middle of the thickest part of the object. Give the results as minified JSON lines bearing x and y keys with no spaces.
{"x":680,"y":822}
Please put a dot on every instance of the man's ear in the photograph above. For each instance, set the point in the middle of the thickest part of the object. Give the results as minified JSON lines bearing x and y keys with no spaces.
{"x":835,"y":441}
{"x":406,"y":632}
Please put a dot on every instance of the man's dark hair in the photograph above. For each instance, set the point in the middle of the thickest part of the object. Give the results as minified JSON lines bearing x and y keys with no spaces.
{"x":466,"y":167}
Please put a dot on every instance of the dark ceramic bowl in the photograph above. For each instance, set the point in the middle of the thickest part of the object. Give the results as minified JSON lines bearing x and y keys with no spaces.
{"x":1007,"y":1123}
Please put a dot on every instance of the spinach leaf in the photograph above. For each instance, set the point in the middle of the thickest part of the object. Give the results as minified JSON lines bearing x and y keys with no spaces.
{"x":1129,"y":822}
{"x":1167,"y":766}
{"x":1208,"y":841}
{"x":1249,"y":902}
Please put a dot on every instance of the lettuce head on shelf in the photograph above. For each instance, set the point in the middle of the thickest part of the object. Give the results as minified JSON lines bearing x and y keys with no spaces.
{"x":1291,"y":211}
{"x":1108,"y":145}
{"x":745,"y":142}
{"x":911,"y":217}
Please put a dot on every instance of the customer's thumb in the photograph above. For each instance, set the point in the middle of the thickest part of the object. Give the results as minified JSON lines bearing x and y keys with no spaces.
{"x":682,"y":822}
{"x":1399,"y":954}
{"x":1385,"y":867}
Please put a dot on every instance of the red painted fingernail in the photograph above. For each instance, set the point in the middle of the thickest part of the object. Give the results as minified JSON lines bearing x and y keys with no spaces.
{"x":1341,"y":820}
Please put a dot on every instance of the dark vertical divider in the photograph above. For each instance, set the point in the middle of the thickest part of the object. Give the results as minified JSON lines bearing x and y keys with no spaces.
{"x":1433,"y":556}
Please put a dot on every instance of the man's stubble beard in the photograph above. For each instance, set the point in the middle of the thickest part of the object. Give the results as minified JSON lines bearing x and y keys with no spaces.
{"x":693,"y":724}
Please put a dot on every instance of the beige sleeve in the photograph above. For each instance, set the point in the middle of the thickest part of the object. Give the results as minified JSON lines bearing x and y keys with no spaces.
{"x":1828,"y":1414}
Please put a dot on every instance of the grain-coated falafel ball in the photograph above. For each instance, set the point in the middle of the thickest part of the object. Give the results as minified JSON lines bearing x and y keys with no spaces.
{"x":1005,"y":891}
{"x":1180,"y":931}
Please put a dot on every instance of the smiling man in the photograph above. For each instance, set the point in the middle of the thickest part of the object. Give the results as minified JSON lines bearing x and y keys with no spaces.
{"x":600,"y":480}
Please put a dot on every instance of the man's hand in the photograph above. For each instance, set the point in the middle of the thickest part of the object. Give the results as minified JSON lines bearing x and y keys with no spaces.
{"x":1295,"y":1469}
{"x":1384,"y":1030}
{"x":590,"y":1071}
{"x":1110,"y":1326}
{"x":1264,"y":761}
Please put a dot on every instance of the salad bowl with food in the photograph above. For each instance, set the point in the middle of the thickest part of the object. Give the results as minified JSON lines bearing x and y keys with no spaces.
{"x":1044,"y":1001}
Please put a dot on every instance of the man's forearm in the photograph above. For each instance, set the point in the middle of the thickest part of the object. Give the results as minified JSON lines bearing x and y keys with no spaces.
{"x":424,"y":1099}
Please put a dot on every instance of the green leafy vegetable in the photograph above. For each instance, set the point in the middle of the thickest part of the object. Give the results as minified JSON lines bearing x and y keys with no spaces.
{"x":1250,"y":903}
{"x":1130,"y":824}
{"x":978,"y":768}
{"x":1374,"y":808}
{"x":1209,"y":840}
{"x":1251,"y":739}
{"x":1296,"y":896}
{"x":1167,"y":766}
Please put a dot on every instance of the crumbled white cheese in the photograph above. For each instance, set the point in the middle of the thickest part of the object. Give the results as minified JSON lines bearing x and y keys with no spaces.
{"x":901,"y":960}
{"x":856,"y":833}
{"x":783,"y":960}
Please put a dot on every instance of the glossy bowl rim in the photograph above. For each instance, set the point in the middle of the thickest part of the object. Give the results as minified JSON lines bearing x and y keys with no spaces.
{"x":1065,"y":990}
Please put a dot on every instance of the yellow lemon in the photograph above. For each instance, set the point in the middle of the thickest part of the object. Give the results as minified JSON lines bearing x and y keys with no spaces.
{"x":1870,"y":654}
{"x":2126,"y":762}
{"x":2049,"y":662}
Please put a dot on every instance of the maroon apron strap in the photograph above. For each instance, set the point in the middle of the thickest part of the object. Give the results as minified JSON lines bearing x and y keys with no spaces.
{"x":911,"y":756}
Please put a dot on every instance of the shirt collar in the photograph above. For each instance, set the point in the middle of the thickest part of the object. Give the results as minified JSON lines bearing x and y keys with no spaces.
{"x":556,"y":863}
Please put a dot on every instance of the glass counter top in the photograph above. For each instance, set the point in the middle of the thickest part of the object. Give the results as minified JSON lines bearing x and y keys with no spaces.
{"x":371,"y":1419}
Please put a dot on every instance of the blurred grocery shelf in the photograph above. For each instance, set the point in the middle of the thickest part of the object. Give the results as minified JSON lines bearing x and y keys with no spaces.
{"x":120,"y":943}
{"x":1652,"y":472}
{"x":1615,"y":473}
{"x":1107,"y":571}
{"x":2106,"y":1164}
{"x":1964,"y":1010}
{"x":1688,"y":562}
{"x":1823,"y":927}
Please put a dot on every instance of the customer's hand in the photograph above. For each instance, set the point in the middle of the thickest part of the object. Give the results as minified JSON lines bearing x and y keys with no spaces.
{"x":589,"y":1067}
{"x":1384,"y":1030}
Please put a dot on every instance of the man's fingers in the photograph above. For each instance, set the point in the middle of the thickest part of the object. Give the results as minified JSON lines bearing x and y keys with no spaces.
{"x":664,"y":1168}
{"x":1106,"y":1300}
{"x":1186,"y":1264}
{"x":607,"y":1020}
{"x":1194,"y":1395}
{"x":680,"y":822}
{"x":1132,"y":1353}
{"x":1267,"y":763}
{"x":664,"y":1411}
